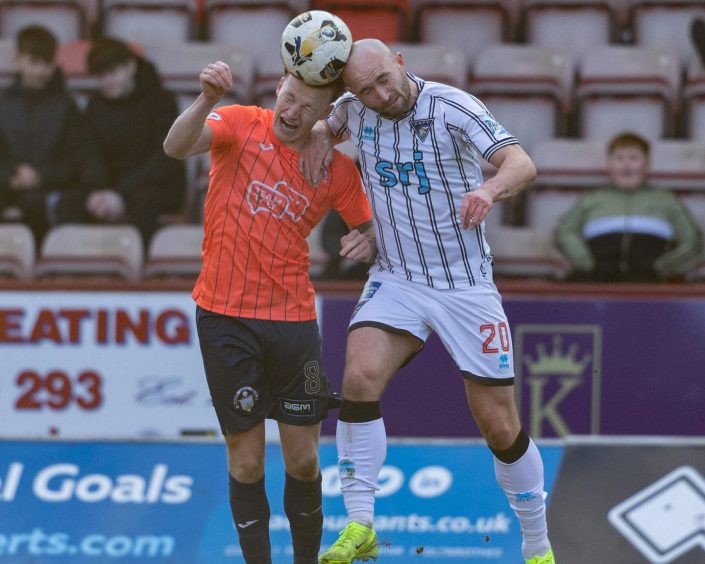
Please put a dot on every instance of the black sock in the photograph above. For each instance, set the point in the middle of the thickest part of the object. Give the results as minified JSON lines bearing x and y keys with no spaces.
{"x":302,"y":504}
{"x":250,"y":509}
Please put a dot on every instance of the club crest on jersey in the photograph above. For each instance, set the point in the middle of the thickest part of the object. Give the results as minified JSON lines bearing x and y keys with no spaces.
{"x":245,"y":399}
{"x":278,"y":200}
{"x":421,"y":128}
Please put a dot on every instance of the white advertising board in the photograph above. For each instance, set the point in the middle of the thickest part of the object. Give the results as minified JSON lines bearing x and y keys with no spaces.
{"x":101,"y":364}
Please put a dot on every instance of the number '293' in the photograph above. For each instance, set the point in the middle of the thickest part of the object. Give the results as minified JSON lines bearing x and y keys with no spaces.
{"x":57,"y":390}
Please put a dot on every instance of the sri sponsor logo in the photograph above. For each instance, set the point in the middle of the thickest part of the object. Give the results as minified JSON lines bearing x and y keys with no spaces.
{"x":59,"y":483}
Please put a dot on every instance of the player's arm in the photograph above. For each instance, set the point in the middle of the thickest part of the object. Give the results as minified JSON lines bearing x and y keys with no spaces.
{"x":359,"y":244}
{"x":189,"y":135}
{"x":515,"y":171}
{"x":317,"y":153}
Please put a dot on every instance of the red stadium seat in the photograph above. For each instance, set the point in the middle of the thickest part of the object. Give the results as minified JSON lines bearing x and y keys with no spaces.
{"x":175,"y":251}
{"x":80,"y":250}
{"x":253,"y":25}
{"x":665,"y":24}
{"x":17,"y":251}
{"x":527,"y":88}
{"x":628,"y":88}
{"x":150,"y":21}
{"x":484,"y":23}
{"x":65,"y":18}
{"x":386,"y":20}
{"x":571,"y":25}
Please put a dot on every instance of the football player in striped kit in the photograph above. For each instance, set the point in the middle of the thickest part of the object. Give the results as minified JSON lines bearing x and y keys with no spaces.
{"x":420,"y":144}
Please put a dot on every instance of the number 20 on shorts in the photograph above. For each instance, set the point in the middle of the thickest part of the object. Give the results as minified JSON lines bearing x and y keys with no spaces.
{"x":493,"y":332}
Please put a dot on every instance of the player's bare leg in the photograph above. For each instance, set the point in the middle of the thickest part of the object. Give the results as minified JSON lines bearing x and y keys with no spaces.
{"x":518,"y":465}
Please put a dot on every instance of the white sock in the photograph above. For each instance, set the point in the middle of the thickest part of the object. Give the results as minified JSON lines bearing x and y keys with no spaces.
{"x":522,"y":481}
{"x":362,"y":449}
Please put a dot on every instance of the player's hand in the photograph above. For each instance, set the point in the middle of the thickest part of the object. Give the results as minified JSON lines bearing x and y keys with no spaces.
{"x":317,"y":153}
{"x":475,"y":207}
{"x":357,"y":246}
{"x":216,"y":79}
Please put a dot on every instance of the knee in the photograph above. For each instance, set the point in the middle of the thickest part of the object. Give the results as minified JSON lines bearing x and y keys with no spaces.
{"x":245,"y":467}
{"x":304,"y":467}
{"x":501,"y":435}
{"x":359,"y":384}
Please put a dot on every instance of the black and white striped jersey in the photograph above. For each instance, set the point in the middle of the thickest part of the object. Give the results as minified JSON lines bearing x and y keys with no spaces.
{"x":416,"y":169}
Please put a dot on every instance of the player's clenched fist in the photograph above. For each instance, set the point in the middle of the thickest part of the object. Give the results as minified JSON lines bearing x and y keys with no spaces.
{"x":216,"y":79}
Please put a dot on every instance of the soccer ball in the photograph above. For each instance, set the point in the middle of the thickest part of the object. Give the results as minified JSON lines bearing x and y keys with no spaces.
{"x":315,"y":46}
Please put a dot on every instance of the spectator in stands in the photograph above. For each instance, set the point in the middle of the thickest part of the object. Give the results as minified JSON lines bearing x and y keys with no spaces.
{"x":127,"y":177}
{"x":629,"y":231}
{"x":40,"y":133}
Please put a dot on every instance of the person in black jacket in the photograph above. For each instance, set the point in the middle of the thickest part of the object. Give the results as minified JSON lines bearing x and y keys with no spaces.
{"x":40,"y":133}
{"x":127,"y":177}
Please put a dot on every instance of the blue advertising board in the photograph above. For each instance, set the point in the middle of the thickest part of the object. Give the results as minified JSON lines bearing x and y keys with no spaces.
{"x":167,"y":502}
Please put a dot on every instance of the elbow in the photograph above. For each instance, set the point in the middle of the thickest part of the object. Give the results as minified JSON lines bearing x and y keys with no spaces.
{"x":171,"y":151}
{"x":531,"y":172}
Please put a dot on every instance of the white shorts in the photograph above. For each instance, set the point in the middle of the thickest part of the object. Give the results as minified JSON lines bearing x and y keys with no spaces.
{"x":470,"y":322}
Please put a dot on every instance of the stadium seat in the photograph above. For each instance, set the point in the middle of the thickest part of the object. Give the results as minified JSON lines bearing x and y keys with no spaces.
{"x":525,"y":252}
{"x":386,"y":20}
{"x":679,"y":165}
{"x":255,"y":26}
{"x":572,"y":25}
{"x":527,"y":88}
{"x":91,"y":250}
{"x":666,"y":24}
{"x":180,"y":63}
{"x":17,"y":251}
{"x":694,"y":100}
{"x":484,"y":23}
{"x":149,"y":20}
{"x":566,"y":168}
{"x":627,"y":88}
{"x":65,"y":18}
{"x":268,"y":70}
{"x":438,"y":63}
{"x":175,"y":251}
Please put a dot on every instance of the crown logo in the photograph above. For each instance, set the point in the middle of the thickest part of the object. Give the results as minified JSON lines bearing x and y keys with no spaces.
{"x":556,"y":362}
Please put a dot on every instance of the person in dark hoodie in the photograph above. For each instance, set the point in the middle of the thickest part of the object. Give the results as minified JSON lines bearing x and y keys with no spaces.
{"x":127,"y":177}
{"x":40,"y":133}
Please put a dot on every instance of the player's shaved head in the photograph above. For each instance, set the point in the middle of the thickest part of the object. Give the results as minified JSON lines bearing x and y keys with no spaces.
{"x":377,"y":76}
{"x":365,"y":56}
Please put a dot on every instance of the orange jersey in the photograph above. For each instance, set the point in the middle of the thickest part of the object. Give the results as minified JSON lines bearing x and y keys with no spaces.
{"x":258,"y":212}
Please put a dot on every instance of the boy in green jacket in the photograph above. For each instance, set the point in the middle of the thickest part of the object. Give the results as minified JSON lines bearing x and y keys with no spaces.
{"x":629,"y":231}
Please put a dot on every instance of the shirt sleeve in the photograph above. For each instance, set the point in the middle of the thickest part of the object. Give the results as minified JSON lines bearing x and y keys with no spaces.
{"x":479,"y":127}
{"x":350,"y":200}
{"x":225,"y":123}
{"x":338,"y":118}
